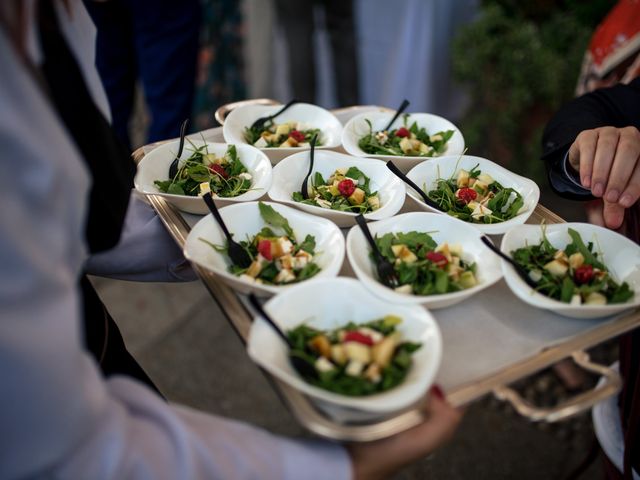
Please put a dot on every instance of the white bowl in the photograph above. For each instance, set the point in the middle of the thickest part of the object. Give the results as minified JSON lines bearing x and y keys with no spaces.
{"x":289,"y":173}
{"x":155,"y":166}
{"x":329,"y":304}
{"x":428,"y":173}
{"x":242,"y":220}
{"x":311,"y":115}
{"x":357,"y":127}
{"x":620,"y":255}
{"x":442,"y":229}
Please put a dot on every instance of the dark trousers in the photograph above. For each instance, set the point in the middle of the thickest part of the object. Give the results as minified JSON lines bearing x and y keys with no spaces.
{"x":297,"y":20}
{"x":104,"y":341}
{"x":155,"y":41}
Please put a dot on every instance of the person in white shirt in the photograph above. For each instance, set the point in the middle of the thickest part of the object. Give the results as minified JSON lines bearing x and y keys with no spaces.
{"x":60,"y":416}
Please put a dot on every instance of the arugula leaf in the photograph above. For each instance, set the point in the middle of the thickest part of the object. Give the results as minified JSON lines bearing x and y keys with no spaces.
{"x":309,"y":244}
{"x":589,"y":257}
{"x":272,"y":217}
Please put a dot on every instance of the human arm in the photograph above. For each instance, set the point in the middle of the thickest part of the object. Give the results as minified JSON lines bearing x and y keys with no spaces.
{"x":576,"y":128}
{"x":146,"y":252}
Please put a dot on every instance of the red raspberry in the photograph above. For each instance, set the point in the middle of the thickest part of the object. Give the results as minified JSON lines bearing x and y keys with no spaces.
{"x":437,"y":258}
{"x":264,"y":249}
{"x":583,"y":274}
{"x":297,"y":136}
{"x":403,"y":132}
{"x":358,"y":337}
{"x":346,"y":187}
{"x":217,"y":169}
{"x":467,"y":194}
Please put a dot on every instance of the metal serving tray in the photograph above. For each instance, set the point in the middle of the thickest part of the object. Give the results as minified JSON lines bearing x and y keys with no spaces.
{"x":489,"y":341}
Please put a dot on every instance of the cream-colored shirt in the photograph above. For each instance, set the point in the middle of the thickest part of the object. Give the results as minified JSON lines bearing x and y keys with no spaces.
{"x":58,"y":416}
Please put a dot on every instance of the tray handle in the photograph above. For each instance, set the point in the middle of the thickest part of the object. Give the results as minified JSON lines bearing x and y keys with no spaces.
{"x":222,"y":112}
{"x":573,"y":406}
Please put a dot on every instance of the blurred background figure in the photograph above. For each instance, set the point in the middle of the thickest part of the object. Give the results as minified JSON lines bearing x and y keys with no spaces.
{"x":220,"y":78}
{"x":156,"y":43}
{"x":299,"y":19}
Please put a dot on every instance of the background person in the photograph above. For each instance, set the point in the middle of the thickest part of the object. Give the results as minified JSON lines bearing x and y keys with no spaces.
{"x":60,"y":415}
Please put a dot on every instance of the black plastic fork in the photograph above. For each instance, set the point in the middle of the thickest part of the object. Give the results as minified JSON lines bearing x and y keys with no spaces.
{"x":262,"y":120}
{"x":304,"y":189}
{"x":173,"y":168}
{"x":386,"y":272}
{"x":520,"y":270}
{"x":236,"y":252}
{"x":396,"y":171}
{"x":303,"y":367}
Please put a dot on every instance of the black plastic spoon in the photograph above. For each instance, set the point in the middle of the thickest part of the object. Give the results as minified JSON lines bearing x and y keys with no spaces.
{"x":519,"y":269}
{"x":391,"y":166}
{"x":262,"y":120}
{"x":236,"y":252}
{"x":304,"y":191}
{"x":386,"y":272}
{"x":403,"y":107}
{"x":173,"y":168}
{"x":303,"y":367}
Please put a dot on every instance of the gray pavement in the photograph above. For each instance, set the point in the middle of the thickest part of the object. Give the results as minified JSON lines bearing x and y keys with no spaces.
{"x":182,"y":340}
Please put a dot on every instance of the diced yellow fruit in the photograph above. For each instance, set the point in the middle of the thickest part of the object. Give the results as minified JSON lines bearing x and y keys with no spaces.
{"x":357,"y":197}
{"x":372,"y":373}
{"x":358,"y":352}
{"x":333,"y":190}
{"x":443,"y":248}
{"x":283,"y":129}
{"x":463,"y":178}
{"x":321,"y":344}
{"x":403,"y":253}
{"x":289,"y":143}
{"x":486,"y":178}
{"x":382,"y":352}
{"x":406,"y":145}
{"x":285,"y":261}
{"x":595,"y":298}
{"x":561,"y":255}
{"x":285,"y":276}
{"x":374,"y":202}
{"x":576,"y":260}
{"x":468,"y":279}
{"x":480,"y":186}
{"x":205,"y":187}
{"x":556,"y":268}
{"x":254,"y":269}
{"x":338,"y":355}
{"x":424,"y":148}
{"x":208,"y":158}
{"x":391,"y":320}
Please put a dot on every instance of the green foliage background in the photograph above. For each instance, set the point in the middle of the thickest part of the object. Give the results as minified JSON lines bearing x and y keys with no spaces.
{"x":520,"y":61}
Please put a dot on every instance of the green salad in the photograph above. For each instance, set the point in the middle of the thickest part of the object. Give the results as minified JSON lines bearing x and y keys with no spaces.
{"x":574,"y":275}
{"x":281,"y":135}
{"x":204,"y":172}
{"x":413,"y":141}
{"x":346,"y":190}
{"x":277,"y":258}
{"x":476,"y":197}
{"x":425,"y":268}
{"x":357,"y":359}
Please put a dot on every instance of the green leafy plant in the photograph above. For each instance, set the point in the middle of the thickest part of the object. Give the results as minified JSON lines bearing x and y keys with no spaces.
{"x":521,"y":61}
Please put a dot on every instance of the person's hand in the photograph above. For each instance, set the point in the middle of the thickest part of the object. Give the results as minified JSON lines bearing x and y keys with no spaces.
{"x":607,"y":159}
{"x":379,"y":459}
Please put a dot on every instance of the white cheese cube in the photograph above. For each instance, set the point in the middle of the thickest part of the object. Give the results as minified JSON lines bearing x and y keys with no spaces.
{"x":205,"y":188}
{"x":260,"y":143}
{"x":354,"y":369}
{"x":323,"y":365}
